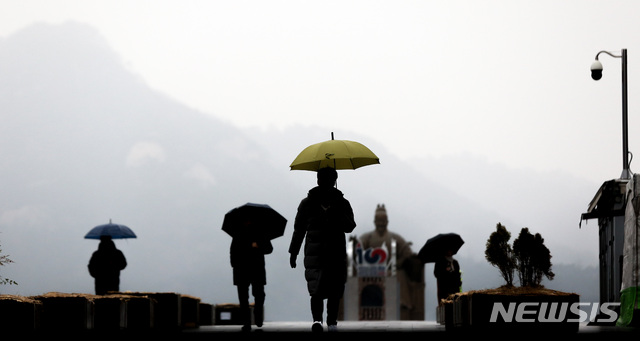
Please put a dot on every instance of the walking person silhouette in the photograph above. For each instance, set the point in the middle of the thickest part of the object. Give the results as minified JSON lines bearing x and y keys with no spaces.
{"x":322,"y":220}
{"x":247,"y":260}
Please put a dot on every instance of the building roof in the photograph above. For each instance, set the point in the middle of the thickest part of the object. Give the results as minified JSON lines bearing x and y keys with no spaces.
{"x":609,"y":201}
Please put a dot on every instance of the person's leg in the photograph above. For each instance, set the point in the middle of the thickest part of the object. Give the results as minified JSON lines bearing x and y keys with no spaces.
{"x":100,"y":290}
{"x":258,"y":307}
{"x":333,"y":306}
{"x":317,"y":308}
{"x":243,"y":298}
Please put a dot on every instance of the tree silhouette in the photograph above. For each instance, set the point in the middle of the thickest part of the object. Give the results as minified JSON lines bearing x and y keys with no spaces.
{"x":4,"y":259}
{"x":500,"y":254}
{"x":533,"y":258}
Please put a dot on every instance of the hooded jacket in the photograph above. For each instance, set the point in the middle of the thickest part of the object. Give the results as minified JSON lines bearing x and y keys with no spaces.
{"x":105,"y":266}
{"x":323,"y":218}
{"x":248,"y":262}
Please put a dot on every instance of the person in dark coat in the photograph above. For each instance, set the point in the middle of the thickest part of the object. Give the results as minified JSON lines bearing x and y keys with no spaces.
{"x":447,"y":272}
{"x":323,"y":218}
{"x":247,"y":260}
{"x":105,"y":266}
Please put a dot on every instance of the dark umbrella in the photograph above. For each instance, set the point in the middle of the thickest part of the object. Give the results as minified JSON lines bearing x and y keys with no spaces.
{"x":254,"y":219}
{"x":437,"y":246}
{"x":115,"y":231}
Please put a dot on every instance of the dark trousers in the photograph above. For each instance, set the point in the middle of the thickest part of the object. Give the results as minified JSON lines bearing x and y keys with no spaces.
{"x":317,"y":308}
{"x":258,"y":307}
{"x":104,"y":285}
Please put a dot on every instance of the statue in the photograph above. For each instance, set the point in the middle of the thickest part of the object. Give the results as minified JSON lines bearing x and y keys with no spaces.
{"x":409,"y":269}
{"x":381,"y":235}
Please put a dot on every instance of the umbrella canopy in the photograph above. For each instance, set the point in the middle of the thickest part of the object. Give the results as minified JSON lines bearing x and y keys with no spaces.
{"x":437,"y":246}
{"x":252,"y":218}
{"x":338,"y":154}
{"x":115,"y":231}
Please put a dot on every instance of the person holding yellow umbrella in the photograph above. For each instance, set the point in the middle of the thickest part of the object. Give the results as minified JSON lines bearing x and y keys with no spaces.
{"x":322,"y":220}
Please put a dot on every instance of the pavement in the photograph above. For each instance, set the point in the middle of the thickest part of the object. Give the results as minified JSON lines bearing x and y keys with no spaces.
{"x":402,"y":330}
{"x":343,"y":326}
{"x":406,"y":329}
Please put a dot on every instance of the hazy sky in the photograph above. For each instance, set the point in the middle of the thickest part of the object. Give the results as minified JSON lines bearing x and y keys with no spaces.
{"x":506,"y":80}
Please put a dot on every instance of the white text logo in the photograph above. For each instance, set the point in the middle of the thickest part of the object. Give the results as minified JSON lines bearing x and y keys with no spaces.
{"x":553,"y":312}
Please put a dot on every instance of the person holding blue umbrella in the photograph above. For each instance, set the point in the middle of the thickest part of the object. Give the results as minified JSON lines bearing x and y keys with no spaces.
{"x":252,"y":227}
{"x":105,"y":266}
{"x":107,"y":262}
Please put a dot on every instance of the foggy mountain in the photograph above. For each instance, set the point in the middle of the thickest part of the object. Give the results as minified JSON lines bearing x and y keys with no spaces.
{"x":84,"y":140}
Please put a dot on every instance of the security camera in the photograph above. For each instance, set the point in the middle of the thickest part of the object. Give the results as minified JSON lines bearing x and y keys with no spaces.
{"x":596,"y":70}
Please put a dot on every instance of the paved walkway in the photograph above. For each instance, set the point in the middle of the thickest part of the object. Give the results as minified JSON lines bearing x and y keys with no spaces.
{"x":344,"y":326}
{"x":355,"y":330}
{"x":407,"y":327}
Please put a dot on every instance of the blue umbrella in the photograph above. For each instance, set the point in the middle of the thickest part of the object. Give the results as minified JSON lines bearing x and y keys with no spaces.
{"x":437,"y":246}
{"x":115,"y":231}
{"x":252,"y":218}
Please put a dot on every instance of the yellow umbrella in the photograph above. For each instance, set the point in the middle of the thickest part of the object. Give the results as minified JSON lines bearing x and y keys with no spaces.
{"x":338,"y":154}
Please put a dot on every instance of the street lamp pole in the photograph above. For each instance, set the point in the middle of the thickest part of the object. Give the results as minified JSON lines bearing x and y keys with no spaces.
{"x":596,"y":74}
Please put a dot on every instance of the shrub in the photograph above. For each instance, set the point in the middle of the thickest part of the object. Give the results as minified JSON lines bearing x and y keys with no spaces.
{"x":529,"y":257}
{"x":4,"y":259}
{"x":533,"y":258}
{"x":500,"y":254}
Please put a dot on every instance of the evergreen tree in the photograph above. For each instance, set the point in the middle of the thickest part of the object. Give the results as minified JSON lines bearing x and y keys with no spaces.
{"x":500,"y":254}
{"x":533,"y":258}
{"x":542,"y":261}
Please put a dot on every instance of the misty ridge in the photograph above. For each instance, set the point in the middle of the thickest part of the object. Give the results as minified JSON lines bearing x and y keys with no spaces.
{"x":83,"y":140}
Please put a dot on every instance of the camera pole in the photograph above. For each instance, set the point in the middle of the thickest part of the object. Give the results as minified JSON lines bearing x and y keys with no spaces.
{"x":596,"y":74}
